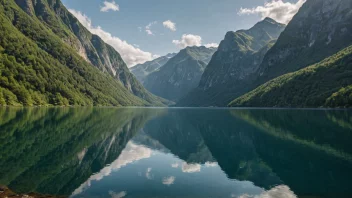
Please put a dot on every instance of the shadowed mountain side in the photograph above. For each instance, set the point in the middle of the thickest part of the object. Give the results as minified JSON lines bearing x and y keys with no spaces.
{"x":180,"y":74}
{"x":231,"y":68}
{"x":141,"y":71}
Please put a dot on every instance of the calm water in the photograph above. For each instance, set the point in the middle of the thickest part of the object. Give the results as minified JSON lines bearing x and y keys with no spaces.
{"x":115,"y":153}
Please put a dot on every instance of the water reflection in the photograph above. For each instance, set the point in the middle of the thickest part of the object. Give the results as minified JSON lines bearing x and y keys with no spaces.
{"x":109,"y":152}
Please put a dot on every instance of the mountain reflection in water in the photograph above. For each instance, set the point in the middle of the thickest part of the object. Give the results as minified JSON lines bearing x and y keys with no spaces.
{"x":146,"y":152}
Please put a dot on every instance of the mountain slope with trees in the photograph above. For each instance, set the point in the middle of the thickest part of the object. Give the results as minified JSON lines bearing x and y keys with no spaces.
{"x":41,"y":63}
{"x":325,"y":84}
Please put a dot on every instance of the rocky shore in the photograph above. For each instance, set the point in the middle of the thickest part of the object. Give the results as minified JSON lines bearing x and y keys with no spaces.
{"x":5,"y":192}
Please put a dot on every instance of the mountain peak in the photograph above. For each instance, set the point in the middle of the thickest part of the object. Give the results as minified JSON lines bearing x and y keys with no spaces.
{"x":270,"y":20}
{"x":267,"y":24}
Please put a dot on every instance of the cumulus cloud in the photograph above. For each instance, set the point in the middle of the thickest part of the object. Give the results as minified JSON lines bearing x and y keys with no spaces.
{"x":147,"y":28}
{"x":169,"y":180}
{"x":191,"y":168}
{"x":211,"y":164}
{"x":109,"y":6}
{"x":188,"y":40}
{"x":130,"y":54}
{"x":191,"y":40}
{"x":278,"y":10}
{"x":170,"y":25}
{"x":281,"y":191}
{"x":209,"y":45}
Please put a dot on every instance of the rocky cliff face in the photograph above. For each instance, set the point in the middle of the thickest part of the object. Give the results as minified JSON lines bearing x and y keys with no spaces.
{"x":141,"y":71}
{"x":238,"y":57}
{"x":320,"y":29}
{"x":180,"y":74}
{"x":90,"y":47}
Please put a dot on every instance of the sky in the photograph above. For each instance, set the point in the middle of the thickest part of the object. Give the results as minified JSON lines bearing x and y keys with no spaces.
{"x":141,"y":30}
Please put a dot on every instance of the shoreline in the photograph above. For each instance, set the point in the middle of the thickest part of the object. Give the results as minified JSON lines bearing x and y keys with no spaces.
{"x":5,"y":192}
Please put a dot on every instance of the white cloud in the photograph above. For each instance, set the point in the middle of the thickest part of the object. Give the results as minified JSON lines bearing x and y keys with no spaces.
{"x":190,"y":168}
{"x":169,"y":180}
{"x":209,"y":45}
{"x":170,"y":25}
{"x":281,"y":191}
{"x":130,"y":54}
{"x":191,"y":40}
{"x":211,"y":164}
{"x":276,"y":9}
{"x":147,"y":28}
{"x":109,"y":6}
{"x":188,"y":40}
{"x":149,"y":32}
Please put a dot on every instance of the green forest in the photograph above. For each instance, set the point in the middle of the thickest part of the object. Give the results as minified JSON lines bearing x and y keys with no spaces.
{"x":38,"y":68}
{"x":325,"y":84}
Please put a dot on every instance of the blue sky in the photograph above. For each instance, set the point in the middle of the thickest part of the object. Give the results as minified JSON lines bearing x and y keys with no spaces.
{"x":124,"y":23}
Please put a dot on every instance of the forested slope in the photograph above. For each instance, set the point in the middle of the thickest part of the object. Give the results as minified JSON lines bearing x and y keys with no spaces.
{"x":327,"y":83}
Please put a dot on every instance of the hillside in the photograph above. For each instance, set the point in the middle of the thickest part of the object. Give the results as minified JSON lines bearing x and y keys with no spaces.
{"x":141,"y":71}
{"x":44,"y":61}
{"x":325,"y":84}
{"x":180,"y":74}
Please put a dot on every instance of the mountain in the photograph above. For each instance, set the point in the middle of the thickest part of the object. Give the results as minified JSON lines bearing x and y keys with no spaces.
{"x":180,"y":74}
{"x":48,"y":57}
{"x":141,"y":71}
{"x":305,"y":88}
{"x":237,"y":58}
{"x":319,"y":30}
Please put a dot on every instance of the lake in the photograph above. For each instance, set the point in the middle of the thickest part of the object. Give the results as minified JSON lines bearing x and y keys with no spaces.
{"x":157,"y":152}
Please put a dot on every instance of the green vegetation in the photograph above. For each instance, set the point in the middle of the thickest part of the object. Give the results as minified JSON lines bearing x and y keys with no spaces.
{"x":38,"y":68}
{"x":342,"y":98}
{"x":325,"y":84}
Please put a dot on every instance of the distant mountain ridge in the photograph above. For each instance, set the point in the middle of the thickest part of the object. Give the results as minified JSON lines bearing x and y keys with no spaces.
{"x":237,"y":58}
{"x":141,"y":71}
{"x":180,"y":74}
